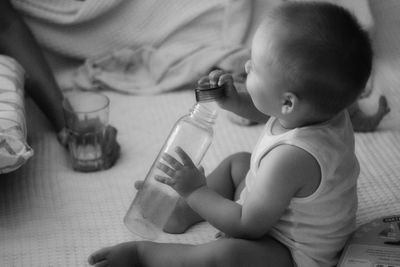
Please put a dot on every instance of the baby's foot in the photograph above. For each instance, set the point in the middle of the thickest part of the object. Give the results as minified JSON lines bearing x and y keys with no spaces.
{"x":124,"y":254}
{"x":368,"y":123}
{"x":181,"y":218}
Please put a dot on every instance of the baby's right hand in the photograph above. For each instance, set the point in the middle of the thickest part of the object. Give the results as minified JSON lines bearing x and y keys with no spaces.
{"x":219,"y":78}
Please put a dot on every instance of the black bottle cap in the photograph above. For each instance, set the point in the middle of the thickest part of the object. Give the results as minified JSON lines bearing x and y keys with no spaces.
{"x":206,"y":92}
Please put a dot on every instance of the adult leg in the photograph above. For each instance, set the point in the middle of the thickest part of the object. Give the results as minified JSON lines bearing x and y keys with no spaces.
{"x":225,"y":252}
{"x":226,"y":179}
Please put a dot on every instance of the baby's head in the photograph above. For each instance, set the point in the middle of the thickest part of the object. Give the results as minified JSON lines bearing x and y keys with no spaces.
{"x":317,"y":51}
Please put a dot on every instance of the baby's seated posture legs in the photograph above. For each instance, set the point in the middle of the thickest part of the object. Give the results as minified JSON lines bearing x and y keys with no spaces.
{"x":224,"y":252}
{"x":228,"y":180}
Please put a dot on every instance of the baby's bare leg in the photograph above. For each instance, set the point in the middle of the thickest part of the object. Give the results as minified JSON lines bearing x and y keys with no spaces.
{"x":225,"y":180}
{"x":225,"y":252}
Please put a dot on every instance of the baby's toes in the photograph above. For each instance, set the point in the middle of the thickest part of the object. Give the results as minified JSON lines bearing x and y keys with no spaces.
{"x":102,"y":264}
{"x":99,"y":257}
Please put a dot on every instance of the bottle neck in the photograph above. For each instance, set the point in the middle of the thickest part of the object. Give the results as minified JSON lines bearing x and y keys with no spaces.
{"x":205,"y":112}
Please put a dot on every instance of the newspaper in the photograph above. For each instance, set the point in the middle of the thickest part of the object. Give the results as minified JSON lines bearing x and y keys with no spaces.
{"x":375,"y":244}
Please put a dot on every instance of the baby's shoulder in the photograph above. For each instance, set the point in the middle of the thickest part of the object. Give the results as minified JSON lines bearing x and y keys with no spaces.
{"x":292,"y":164}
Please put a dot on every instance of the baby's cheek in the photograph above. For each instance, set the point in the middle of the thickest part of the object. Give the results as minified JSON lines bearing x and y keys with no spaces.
{"x":248,"y":83}
{"x":247,"y":67}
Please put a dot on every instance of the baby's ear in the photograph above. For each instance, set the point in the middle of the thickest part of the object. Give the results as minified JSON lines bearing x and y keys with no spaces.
{"x":289,"y":103}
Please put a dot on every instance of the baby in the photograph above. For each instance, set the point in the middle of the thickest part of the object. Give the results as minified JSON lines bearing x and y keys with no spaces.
{"x":293,"y":201}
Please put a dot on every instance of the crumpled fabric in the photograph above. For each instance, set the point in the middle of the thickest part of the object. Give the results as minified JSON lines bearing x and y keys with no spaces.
{"x":147,"y":70}
{"x":142,"y":47}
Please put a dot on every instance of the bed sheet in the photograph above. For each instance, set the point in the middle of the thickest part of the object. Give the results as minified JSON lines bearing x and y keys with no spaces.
{"x":53,"y":216}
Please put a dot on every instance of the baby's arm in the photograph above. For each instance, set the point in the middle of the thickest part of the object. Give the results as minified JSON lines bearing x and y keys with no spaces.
{"x":17,"y":41}
{"x":284,"y":172}
{"x":237,"y":102}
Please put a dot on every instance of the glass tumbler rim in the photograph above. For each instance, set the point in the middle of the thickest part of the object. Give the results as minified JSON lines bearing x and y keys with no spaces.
{"x":68,"y":108}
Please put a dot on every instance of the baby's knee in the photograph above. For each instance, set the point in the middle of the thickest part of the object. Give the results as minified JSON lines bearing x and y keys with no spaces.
{"x":240,"y":163}
{"x":240,"y":157}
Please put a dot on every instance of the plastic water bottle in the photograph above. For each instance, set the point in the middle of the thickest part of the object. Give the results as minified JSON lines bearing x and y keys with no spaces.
{"x":155,"y":201}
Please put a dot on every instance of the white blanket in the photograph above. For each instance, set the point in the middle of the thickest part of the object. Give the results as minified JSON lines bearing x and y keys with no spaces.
{"x":165,"y":44}
{"x":147,"y":47}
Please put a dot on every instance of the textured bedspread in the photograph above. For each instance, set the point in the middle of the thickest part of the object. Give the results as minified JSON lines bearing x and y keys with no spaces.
{"x":53,"y":216}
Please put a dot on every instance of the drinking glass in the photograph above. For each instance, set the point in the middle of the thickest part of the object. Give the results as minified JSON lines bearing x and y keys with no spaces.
{"x":86,"y":117}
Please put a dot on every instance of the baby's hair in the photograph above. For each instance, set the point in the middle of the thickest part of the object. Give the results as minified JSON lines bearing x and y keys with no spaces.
{"x":325,"y":51}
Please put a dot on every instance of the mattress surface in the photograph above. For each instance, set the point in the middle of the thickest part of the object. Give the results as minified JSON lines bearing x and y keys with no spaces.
{"x":53,"y":216}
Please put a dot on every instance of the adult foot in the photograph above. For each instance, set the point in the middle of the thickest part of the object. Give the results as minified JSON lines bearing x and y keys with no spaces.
{"x":367,"y":123}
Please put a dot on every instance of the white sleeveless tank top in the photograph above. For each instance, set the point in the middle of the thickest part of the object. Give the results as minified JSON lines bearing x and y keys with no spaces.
{"x":316,"y":227}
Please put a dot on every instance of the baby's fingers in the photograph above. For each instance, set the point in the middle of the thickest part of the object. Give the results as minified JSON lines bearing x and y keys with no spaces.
{"x":214,"y":77}
{"x":171,"y":161}
{"x":165,"y":169}
{"x":102,"y":264}
{"x":187,"y":161}
{"x":164,"y":180}
{"x":226,"y":79}
{"x":203,"y":80}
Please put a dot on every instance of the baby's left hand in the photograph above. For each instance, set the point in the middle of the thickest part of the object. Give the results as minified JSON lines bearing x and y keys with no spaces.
{"x":184,"y":177}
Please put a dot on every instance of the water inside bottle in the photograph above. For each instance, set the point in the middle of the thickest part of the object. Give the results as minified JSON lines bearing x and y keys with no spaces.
{"x":155,"y":202}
